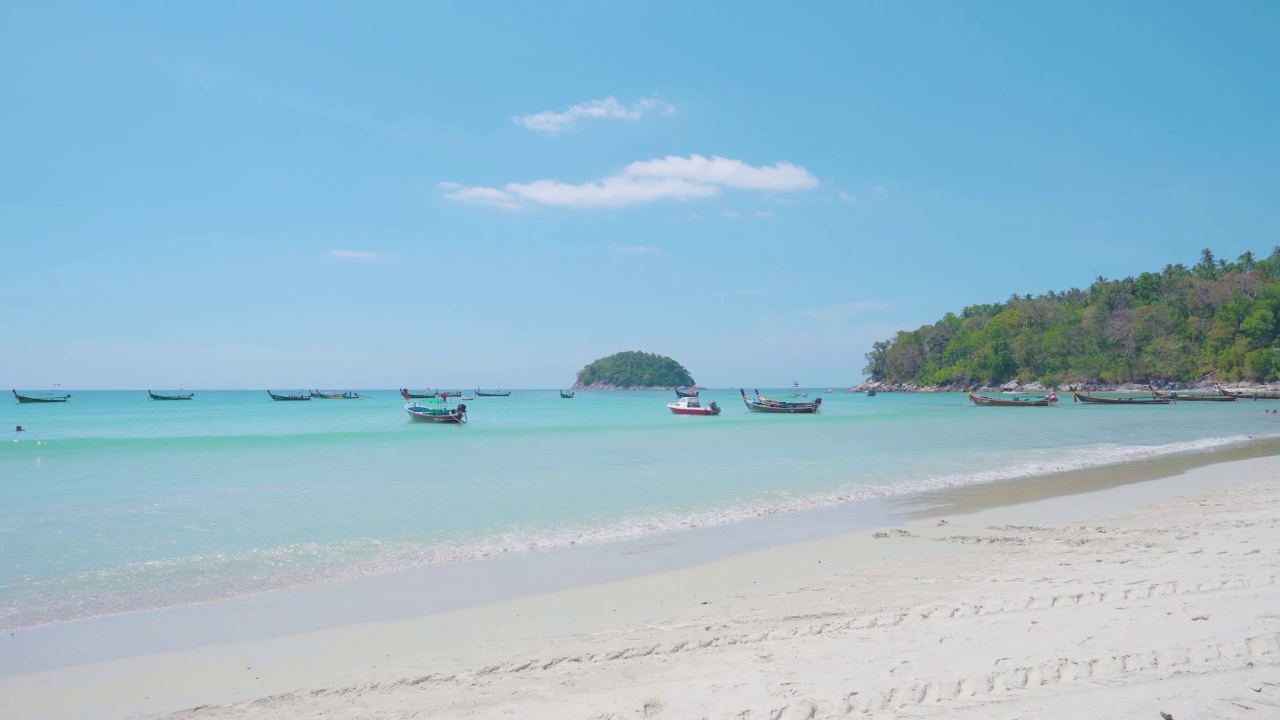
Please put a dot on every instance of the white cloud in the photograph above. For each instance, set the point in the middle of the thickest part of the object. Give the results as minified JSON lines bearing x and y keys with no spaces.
{"x":724,"y":171}
{"x":354,"y":254}
{"x":638,"y":249}
{"x":847,"y":197}
{"x":762,"y":214}
{"x":492,"y":197}
{"x":732,"y":214}
{"x":844,"y":311}
{"x":550,"y":121}
{"x":669,"y":178}
{"x":616,"y":191}
{"x":879,"y":190}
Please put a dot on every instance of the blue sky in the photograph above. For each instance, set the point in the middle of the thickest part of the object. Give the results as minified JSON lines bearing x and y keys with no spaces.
{"x":324,"y":194}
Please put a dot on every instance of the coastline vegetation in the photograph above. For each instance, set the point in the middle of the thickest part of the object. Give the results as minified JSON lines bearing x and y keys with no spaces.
{"x":633,"y":369}
{"x":1181,"y":324}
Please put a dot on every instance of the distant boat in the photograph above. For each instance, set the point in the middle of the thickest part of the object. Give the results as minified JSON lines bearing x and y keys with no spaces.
{"x":439,"y":414}
{"x":282,"y":398}
{"x":871,"y":392}
{"x":1193,"y":397}
{"x":1086,"y":398}
{"x":347,"y":395}
{"x":686,"y":392}
{"x":984,"y":401}
{"x":691,"y":406}
{"x":768,"y":405}
{"x":566,"y":395}
{"x":41,"y":398}
{"x":417,"y":396}
{"x":492,"y":393}
{"x":179,"y":396}
{"x":1248,"y":395}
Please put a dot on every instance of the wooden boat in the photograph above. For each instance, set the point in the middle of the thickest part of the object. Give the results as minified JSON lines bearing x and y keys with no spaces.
{"x":417,"y":396}
{"x":45,"y":398}
{"x":1086,"y":398}
{"x":686,"y":392}
{"x":492,"y":393}
{"x":1193,"y":397}
{"x":348,"y":395}
{"x":566,"y":395}
{"x":179,"y":396}
{"x":871,"y":393}
{"x":441,"y":414}
{"x":764,"y":404}
{"x":986,"y":401}
{"x":692,"y":406}
{"x":1248,"y":395}
{"x":295,"y":398}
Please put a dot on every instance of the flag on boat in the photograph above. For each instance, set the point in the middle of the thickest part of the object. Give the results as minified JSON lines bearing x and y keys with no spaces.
{"x":795,"y":383}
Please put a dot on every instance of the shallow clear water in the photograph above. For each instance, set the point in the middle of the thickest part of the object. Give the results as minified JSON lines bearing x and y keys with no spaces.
{"x":114,"y":502}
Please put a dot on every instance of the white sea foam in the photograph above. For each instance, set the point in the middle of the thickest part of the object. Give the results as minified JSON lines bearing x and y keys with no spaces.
{"x":201,"y":578}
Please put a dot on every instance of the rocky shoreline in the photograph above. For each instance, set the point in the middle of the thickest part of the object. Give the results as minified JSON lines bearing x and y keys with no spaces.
{"x":1034,"y":387}
{"x":608,"y":386}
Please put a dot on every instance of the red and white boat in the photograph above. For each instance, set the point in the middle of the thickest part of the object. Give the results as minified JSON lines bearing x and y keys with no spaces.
{"x":691,"y":406}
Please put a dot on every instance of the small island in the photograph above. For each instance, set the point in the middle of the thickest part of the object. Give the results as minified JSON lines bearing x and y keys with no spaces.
{"x":633,"y":370}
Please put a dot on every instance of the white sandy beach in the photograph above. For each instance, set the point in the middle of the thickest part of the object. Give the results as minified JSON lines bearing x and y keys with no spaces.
{"x":1157,"y":597}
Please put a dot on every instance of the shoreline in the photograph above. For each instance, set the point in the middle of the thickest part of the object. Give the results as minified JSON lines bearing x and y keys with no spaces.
{"x":43,"y":661}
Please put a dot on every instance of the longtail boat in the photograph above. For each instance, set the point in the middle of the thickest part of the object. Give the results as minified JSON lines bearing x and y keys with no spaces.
{"x":765,"y":405}
{"x":1193,"y":397}
{"x":692,"y":406}
{"x":417,"y":396}
{"x":1248,"y":395}
{"x":1086,"y":398}
{"x":179,"y":396}
{"x":566,"y":395}
{"x":46,"y":398}
{"x":686,"y":392}
{"x":283,"y":398}
{"x":1015,"y":401}
{"x":440,"y":414}
{"x":492,"y":393}
{"x":348,"y":395}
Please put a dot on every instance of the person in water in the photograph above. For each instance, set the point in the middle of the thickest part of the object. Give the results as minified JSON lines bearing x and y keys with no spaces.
{"x":19,"y":429}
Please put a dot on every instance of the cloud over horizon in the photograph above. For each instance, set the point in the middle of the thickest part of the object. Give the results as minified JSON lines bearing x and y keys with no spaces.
{"x":353,"y":254}
{"x":669,"y":178}
{"x":549,"y":121}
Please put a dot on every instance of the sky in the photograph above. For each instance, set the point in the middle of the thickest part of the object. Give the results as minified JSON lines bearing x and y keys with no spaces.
{"x":323,"y":194}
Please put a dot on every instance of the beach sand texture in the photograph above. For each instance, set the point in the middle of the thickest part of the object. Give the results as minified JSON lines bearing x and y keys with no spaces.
{"x":1084,"y":606}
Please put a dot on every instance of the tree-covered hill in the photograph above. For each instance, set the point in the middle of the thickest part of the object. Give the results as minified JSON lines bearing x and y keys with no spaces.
{"x":1179,"y":324}
{"x":633,"y":369}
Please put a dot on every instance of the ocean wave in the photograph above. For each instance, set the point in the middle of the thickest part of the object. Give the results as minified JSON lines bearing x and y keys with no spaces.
{"x":183,"y":580}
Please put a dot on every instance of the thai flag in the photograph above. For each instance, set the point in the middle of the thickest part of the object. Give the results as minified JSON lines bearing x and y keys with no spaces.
{"x":795,"y":383}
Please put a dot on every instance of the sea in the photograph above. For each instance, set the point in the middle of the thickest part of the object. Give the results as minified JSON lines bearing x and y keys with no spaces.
{"x":115,"y":503}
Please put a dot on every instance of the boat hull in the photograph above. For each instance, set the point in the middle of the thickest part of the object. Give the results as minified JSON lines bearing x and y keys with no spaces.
{"x":288,"y":398}
{"x":457,"y":416}
{"x":415,"y":396}
{"x":186,"y":396}
{"x":781,"y":408}
{"x":35,"y":399}
{"x":499,"y":393}
{"x":566,"y":395}
{"x":1247,"y":396}
{"x":984,"y":401}
{"x":1092,"y":399}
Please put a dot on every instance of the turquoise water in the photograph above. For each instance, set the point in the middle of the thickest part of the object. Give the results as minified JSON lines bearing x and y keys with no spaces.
{"x":113,"y":502}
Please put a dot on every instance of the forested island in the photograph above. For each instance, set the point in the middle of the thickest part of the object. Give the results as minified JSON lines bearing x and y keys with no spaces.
{"x":633,"y":370}
{"x":1214,"y":320}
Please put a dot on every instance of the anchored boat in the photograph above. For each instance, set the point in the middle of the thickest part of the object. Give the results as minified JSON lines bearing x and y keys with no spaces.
{"x":691,"y":406}
{"x":440,"y":413}
{"x":686,"y":392}
{"x":567,"y":395}
{"x":409,"y":395}
{"x":767,"y":405}
{"x":179,"y":396}
{"x":41,"y":398}
{"x":492,"y":393}
{"x":1015,"y":401}
{"x":1086,"y":398}
{"x":347,"y":395}
{"x":287,"y":398}
{"x":1248,"y":395}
